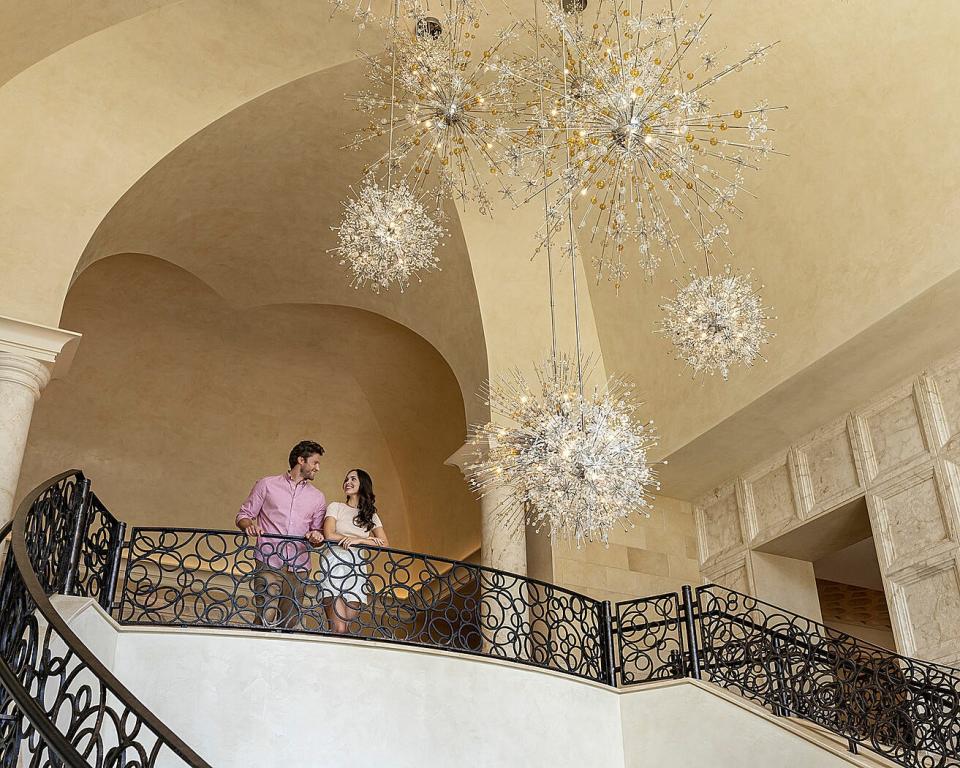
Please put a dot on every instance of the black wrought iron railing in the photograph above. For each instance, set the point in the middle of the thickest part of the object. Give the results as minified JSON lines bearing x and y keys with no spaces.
{"x":903,"y":709}
{"x":60,"y":706}
{"x":193,"y":577}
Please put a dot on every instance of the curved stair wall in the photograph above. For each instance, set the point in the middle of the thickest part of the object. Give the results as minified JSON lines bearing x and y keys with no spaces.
{"x":302,"y":701}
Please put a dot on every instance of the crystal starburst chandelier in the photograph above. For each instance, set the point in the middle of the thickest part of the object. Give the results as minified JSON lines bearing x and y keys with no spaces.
{"x":716,"y":321}
{"x":570,"y":461}
{"x":574,"y":464}
{"x":446,"y":99}
{"x":361,"y":11}
{"x":633,"y":102}
{"x":386,"y":236}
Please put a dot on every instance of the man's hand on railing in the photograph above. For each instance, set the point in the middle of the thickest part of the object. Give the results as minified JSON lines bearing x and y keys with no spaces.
{"x":249,"y":527}
{"x":315,"y":538}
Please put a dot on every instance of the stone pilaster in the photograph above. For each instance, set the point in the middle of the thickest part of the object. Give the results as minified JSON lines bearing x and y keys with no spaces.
{"x":30,"y":355}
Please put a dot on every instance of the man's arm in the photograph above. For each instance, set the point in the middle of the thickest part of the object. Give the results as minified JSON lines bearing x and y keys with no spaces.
{"x":315,"y":534}
{"x":247,"y":517}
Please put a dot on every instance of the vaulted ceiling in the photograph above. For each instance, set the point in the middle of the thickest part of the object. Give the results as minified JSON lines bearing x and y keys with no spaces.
{"x":852,"y":234}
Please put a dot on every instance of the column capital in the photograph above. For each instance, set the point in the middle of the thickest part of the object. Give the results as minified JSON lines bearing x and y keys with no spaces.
{"x":26,"y":371}
{"x":465,"y":454}
{"x":50,"y":348}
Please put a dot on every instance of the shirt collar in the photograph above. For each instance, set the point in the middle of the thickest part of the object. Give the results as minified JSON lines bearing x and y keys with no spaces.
{"x":290,"y":479}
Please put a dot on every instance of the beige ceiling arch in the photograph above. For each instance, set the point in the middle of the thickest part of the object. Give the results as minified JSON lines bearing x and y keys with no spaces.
{"x":249,"y":203}
{"x":214,"y":395}
{"x":33,"y":30}
{"x":82,"y":125}
{"x":92,"y":119}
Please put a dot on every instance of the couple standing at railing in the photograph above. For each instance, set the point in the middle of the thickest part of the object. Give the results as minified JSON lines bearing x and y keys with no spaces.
{"x":288,"y":505}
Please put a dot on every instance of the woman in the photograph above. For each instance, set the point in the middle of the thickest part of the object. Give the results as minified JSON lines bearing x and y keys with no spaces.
{"x":347,"y":525}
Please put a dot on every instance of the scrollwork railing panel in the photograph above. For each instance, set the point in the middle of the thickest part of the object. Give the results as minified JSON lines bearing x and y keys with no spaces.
{"x":99,"y":722}
{"x":189,"y":577}
{"x":101,"y":538}
{"x":650,"y":639}
{"x":904,"y":709}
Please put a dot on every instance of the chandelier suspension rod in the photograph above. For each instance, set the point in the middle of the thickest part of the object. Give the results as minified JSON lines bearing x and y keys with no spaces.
{"x":571,"y":234}
{"x":546,"y":203}
{"x":696,"y":183}
{"x":394,"y":19}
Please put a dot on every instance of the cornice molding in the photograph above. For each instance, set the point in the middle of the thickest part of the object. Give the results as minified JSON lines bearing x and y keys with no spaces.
{"x":40,"y":342}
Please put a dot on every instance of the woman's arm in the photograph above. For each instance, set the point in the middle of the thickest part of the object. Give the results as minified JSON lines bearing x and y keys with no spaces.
{"x":343,"y":540}
{"x":379,"y":538}
{"x":330,"y":529}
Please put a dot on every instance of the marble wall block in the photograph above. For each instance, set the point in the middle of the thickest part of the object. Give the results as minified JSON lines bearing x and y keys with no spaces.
{"x":769,"y":501}
{"x":912,"y":515}
{"x":827,"y":468}
{"x":945,"y":394}
{"x":719,"y":524}
{"x":735,"y":574}
{"x":892,"y":434}
{"x":927,"y":609}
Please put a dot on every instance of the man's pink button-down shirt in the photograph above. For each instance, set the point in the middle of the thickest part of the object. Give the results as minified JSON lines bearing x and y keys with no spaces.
{"x":283,"y":507}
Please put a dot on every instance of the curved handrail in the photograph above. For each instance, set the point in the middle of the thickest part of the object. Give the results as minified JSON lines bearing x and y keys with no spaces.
{"x":20,"y":701}
{"x":217,"y":579}
{"x":107,"y":723}
{"x":902,"y":708}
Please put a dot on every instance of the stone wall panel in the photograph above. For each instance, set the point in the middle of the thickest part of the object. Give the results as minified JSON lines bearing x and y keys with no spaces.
{"x":769,"y":500}
{"x":828,"y":471}
{"x":719,"y":523}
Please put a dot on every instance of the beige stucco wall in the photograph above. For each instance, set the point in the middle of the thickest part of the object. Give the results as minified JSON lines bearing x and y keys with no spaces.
{"x":901,"y":450}
{"x":658,"y":555}
{"x":176,"y":403}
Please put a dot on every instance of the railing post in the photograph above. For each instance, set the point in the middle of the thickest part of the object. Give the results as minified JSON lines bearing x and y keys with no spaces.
{"x":76,"y":539}
{"x":110,"y":583}
{"x":607,"y":636}
{"x":781,"y":708}
{"x":692,"y":649}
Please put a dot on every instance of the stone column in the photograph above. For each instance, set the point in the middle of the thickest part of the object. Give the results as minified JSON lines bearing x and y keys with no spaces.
{"x":505,"y":600}
{"x":22,"y":379}
{"x":29,"y":356}
{"x":503,"y":544}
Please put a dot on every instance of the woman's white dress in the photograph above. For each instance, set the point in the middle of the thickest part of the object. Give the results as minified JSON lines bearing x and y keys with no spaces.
{"x":345,"y":572}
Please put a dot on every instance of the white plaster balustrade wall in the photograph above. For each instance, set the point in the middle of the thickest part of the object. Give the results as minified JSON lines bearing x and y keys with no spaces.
{"x":244,"y":698}
{"x":902,"y":452}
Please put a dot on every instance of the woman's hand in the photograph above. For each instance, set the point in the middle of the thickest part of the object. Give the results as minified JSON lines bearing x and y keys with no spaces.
{"x":377,"y":542}
{"x":348,"y":541}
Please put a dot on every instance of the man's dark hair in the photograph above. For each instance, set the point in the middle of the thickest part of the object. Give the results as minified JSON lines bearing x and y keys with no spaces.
{"x":304,"y":449}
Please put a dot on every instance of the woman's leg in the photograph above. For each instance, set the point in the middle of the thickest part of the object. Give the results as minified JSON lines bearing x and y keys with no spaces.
{"x":346,"y":611}
{"x":330,"y":609}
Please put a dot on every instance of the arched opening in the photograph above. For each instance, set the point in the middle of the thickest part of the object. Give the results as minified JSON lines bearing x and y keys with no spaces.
{"x":205,"y":397}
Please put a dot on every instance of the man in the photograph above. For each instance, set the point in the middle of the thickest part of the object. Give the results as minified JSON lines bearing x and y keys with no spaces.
{"x":284,"y":505}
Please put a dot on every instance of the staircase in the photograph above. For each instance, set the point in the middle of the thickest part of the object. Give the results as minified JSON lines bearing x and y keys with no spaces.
{"x":708,"y":676}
